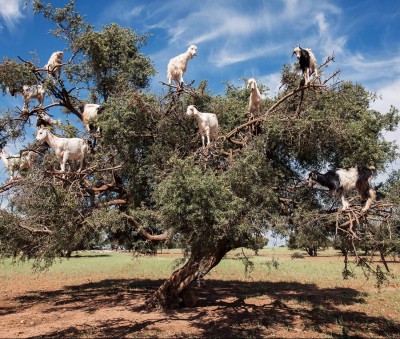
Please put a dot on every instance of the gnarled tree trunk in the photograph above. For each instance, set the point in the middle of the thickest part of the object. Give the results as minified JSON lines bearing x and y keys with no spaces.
{"x":198,"y":265}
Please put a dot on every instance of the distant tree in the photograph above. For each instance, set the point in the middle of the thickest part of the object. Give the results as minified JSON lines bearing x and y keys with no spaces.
{"x":148,"y":180}
{"x":311,"y":239}
{"x":260,"y":242}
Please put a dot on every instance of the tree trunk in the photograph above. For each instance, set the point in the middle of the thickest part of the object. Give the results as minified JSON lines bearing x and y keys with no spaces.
{"x":199,"y":264}
{"x":312,"y":251}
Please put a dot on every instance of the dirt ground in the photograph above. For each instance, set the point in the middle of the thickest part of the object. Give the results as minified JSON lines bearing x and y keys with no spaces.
{"x":96,"y":307}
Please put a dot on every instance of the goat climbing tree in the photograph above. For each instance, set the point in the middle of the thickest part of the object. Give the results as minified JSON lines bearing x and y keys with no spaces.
{"x":148,"y":179}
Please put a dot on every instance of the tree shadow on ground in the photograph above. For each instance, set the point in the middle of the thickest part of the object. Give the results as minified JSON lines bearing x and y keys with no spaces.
{"x":224,"y":309}
{"x":77,"y":256}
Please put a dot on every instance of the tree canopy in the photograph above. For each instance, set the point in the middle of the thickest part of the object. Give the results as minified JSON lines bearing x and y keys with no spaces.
{"x":148,"y":180}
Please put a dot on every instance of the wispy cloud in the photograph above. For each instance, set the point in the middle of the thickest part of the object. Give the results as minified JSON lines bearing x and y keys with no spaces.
{"x":369,"y":69}
{"x":121,"y":11}
{"x":243,"y":33}
{"x":10,"y":12}
{"x":225,"y":57}
{"x":236,"y":39}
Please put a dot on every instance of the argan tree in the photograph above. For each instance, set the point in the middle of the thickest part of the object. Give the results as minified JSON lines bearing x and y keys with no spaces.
{"x":148,"y":180}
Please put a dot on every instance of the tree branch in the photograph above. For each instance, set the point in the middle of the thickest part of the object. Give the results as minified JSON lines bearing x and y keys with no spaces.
{"x":158,"y":237}
{"x":35,"y":230}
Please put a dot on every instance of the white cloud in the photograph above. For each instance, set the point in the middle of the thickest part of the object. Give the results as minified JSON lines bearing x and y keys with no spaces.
{"x":389,"y":94}
{"x":371,"y":64}
{"x":239,"y":33}
{"x":120,"y":11}
{"x":273,"y":82}
{"x":135,"y":11}
{"x":10,"y":12}
{"x":322,"y":24}
{"x":225,"y":56}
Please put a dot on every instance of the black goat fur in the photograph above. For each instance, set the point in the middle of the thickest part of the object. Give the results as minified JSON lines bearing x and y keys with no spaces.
{"x":304,"y":60}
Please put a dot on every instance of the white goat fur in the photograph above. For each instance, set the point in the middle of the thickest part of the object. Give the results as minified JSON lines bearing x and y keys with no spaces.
{"x":90,"y":112}
{"x":54,"y":64}
{"x":311,"y":67}
{"x":30,"y":92}
{"x":177,"y":66}
{"x":347,"y":179}
{"x":65,"y":148}
{"x":255,"y":96}
{"x":16,"y":162}
{"x":207,"y":122}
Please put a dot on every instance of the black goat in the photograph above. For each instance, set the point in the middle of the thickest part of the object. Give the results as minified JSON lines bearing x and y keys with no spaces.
{"x":307,"y":61}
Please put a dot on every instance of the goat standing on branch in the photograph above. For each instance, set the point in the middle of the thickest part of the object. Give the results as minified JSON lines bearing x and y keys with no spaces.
{"x":340,"y":180}
{"x":16,"y":162}
{"x":89,"y":114}
{"x":177,"y":66}
{"x":255,"y":97}
{"x":65,"y":148}
{"x":307,"y":62}
{"x":30,"y":92}
{"x":207,"y":122}
{"x":54,"y":64}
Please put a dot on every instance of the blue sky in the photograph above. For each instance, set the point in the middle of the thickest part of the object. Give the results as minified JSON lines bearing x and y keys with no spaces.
{"x":237,"y":39}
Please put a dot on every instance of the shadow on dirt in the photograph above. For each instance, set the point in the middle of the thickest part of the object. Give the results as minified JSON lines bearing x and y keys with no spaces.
{"x":224,"y":309}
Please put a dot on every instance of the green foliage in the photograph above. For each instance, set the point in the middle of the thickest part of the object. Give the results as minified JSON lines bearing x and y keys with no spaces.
{"x":114,"y":60}
{"x":109,"y":61}
{"x":46,"y":221}
{"x":69,"y":23}
{"x":14,"y":75}
{"x":149,"y":156}
{"x":310,"y":238}
{"x":199,"y":204}
{"x":337,"y":128}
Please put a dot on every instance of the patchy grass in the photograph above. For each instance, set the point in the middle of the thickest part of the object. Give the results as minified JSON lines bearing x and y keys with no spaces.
{"x":103,"y":294}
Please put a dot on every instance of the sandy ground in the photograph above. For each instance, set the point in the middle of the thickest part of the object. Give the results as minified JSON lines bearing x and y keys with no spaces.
{"x":96,"y":307}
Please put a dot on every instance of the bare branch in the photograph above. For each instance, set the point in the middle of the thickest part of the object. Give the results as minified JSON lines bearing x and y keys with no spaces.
{"x":158,"y":237}
{"x":35,"y":230}
{"x":10,"y":185}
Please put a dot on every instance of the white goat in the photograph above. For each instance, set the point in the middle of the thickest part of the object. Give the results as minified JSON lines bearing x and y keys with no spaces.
{"x":307,"y":61}
{"x":30,"y":92}
{"x":347,"y":179}
{"x":54,"y":64}
{"x":255,"y":97}
{"x":16,"y":162}
{"x":207,"y":122}
{"x":90,"y":112}
{"x":65,"y":148}
{"x":177,"y":66}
